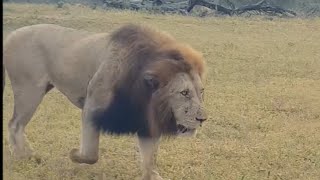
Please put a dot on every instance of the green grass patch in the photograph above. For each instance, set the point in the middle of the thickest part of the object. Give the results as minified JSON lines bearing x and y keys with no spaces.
{"x":262,"y":96}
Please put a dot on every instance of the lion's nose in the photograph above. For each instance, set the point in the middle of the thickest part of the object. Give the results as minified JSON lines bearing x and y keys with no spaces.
{"x":201,"y":115}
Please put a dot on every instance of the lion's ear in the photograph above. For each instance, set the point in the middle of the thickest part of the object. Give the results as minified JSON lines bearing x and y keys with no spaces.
{"x":151,"y":81}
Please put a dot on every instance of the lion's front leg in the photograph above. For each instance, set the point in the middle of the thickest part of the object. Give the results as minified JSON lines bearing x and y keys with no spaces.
{"x":89,"y":145}
{"x":99,"y":96}
{"x":148,"y":150}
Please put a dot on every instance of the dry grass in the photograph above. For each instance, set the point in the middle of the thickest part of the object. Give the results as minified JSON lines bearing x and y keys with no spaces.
{"x":262,"y":95}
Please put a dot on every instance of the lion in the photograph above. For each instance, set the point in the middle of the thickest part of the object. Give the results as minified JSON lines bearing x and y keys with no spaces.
{"x":135,"y":80}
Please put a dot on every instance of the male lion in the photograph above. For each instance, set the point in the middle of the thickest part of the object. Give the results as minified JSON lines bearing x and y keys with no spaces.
{"x":135,"y":80}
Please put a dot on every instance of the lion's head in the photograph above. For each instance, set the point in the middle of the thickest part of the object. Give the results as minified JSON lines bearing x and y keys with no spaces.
{"x":178,"y":91}
{"x":185,"y":100}
{"x":160,"y":88}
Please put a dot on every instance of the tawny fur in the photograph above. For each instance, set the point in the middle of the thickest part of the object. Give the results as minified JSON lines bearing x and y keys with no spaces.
{"x":165,"y":41}
{"x":132,"y":80}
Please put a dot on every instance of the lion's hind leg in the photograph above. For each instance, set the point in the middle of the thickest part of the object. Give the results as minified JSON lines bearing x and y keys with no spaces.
{"x":27,"y":97}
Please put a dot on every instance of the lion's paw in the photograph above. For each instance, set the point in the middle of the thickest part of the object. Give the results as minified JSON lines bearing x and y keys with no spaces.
{"x":21,"y":153}
{"x":76,"y":157}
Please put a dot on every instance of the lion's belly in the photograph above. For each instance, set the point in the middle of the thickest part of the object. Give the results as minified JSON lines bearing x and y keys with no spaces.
{"x":72,"y":79}
{"x":75,"y":92}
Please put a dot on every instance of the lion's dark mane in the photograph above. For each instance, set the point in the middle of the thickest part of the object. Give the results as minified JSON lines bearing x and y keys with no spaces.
{"x":136,"y":108}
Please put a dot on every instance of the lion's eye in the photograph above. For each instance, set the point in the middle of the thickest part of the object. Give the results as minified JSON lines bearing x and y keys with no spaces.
{"x":185,"y":92}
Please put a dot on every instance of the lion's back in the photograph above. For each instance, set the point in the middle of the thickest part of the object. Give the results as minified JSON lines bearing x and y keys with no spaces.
{"x":45,"y":37}
{"x":32,"y":42}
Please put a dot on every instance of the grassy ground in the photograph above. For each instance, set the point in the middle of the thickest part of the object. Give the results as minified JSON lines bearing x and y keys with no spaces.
{"x":262,"y":95}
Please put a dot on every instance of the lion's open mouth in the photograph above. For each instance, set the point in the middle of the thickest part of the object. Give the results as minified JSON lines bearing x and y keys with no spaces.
{"x":183,"y":129}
